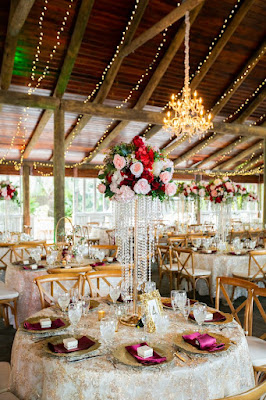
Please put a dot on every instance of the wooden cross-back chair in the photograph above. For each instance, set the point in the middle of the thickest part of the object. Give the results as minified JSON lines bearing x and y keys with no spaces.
{"x":223,"y":285}
{"x":255,"y":393}
{"x":111,"y":236}
{"x":241,"y":234}
{"x":257,"y":235}
{"x":177,"y":240}
{"x":72,"y":270}
{"x":187,"y":270}
{"x":109,"y":249}
{"x":101,"y":278}
{"x":166,"y":264}
{"x":57,"y":283}
{"x":256,"y":271}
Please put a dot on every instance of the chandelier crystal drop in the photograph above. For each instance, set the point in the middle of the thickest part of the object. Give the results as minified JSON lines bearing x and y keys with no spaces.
{"x":187,"y":115}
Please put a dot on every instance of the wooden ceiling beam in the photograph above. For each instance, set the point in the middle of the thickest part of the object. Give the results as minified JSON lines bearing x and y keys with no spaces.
{"x":68,"y":64}
{"x":19,"y":11}
{"x":154,"y":129}
{"x":239,"y":157}
{"x":24,"y":100}
{"x":111,"y":74}
{"x":152,"y":84}
{"x":164,"y":23}
{"x":252,"y":163}
{"x":240,"y":78}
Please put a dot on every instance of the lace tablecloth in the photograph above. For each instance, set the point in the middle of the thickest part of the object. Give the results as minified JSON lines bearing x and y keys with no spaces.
{"x":37,"y":375}
{"x":220,"y":265}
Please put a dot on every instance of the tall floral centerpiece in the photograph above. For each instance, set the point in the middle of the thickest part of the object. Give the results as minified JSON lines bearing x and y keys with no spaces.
{"x":8,"y":192}
{"x":137,"y":177}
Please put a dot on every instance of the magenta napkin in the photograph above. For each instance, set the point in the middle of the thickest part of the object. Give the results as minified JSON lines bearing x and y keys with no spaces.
{"x":39,"y":267}
{"x":84,"y":343}
{"x":203,"y":341}
{"x":217,"y":317}
{"x":155,"y":359}
{"x":57,"y":323}
{"x":97,"y":264}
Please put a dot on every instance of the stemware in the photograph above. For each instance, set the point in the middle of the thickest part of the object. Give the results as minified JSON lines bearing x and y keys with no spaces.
{"x":173,"y":300}
{"x":200,"y":313}
{"x":63,"y":301}
{"x":107,"y":329}
{"x":186,"y":309}
{"x":114,"y":292}
{"x":74,"y":313}
{"x":149,"y":286}
{"x":181,"y":298}
{"x":85,"y":304}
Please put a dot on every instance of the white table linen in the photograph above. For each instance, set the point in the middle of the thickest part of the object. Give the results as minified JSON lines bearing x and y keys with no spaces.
{"x":36,"y":375}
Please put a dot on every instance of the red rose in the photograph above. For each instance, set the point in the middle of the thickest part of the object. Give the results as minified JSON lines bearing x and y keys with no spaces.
{"x":146,"y":174}
{"x":155,"y":185}
{"x":109,"y":178}
{"x":138,"y":142}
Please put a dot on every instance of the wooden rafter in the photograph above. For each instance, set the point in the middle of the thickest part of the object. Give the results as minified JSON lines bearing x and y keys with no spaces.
{"x":252,"y":106}
{"x":168,"y":20}
{"x":252,"y":163}
{"x":111,"y":74}
{"x":152,"y":84}
{"x":239,"y":79}
{"x":219,"y":46}
{"x":68,"y":64}
{"x":33,"y":101}
{"x":19,"y":11}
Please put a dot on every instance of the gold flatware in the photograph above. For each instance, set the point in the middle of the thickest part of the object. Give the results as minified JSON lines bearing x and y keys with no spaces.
{"x":180,"y":357}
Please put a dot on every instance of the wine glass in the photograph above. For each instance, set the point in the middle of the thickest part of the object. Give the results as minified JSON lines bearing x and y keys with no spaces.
{"x":107,"y":329}
{"x":173,"y":300}
{"x":101,"y":255}
{"x":149,"y":286}
{"x":115,"y":292}
{"x":74,"y":313}
{"x":63,"y":301}
{"x":85,"y":304}
{"x":200,"y":313}
{"x":186,"y":309}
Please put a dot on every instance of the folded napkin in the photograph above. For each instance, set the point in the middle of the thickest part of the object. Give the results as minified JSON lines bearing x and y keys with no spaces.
{"x":217,"y":317}
{"x":84,"y":343}
{"x":203,"y":341}
{"x":28,"y":267}
{"x":57,"y":323}
{"x":97,"y":264}
{"x":155,"y":359}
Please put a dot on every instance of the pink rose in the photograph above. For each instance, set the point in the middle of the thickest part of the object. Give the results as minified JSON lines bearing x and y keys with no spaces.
{"x":212,"y":187}
{"x":228,"y":186}
{"x":114,"y":188}
{"x":170,"y":189}
{"x":101,"y":187}
{"x":214,"y":193}
{"x":119,"y":161}
{"x":202,"y":192}
{"x":217,"y":182}
{"x":165,"y":176}
{"x":125,"y":194}
{"x":142,"y":186}
{"x":136,"y":169}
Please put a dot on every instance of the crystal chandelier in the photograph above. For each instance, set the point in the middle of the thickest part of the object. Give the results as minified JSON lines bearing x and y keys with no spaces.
{"x":187,"y":116}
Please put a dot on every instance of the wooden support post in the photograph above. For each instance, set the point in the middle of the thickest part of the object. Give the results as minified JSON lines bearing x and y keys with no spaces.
{"x":26,"y":197}
{"x":59,"y":167}
{"x":198,"y":202}
{"x":264,"y":185}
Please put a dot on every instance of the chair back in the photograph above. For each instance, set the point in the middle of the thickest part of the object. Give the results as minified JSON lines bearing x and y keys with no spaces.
{"x":111,"y":235}
{"x":73,"y":270}
{"x":99,"y":281}
{"x":185,"y":260}
{"x":255,"y":393}
{"x":177,"y":240}
{"x":222,"y":283}
{"x":164,"y":255}
{"x":256,"y":294}
{"x":61,"y":282}
{"x":256,"y":267}
{"x":109,"y":249}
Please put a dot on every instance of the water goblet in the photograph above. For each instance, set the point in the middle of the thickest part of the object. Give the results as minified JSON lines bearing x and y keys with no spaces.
{"x":149,"y":286}
{"x":200,"y":313}
{"x":181,"y":298}
{"x":186,"y":309}
{"x":50,"y":260}
{"x":101,"y":255}
{"x":74,"y":295}
{"x":107,"y":329}
{"x":74,"y":313}
{"x":173,"y":300}
{"x":85,"y":304}
{"x":63,"y":301}
{"x":114,"y":292}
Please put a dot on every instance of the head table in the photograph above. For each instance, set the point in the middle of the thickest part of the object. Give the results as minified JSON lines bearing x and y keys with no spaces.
{"x":39,"y":375}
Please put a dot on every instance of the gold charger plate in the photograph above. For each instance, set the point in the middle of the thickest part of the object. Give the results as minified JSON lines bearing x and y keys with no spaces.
{"x":187,"y":347}
{"x":34,"y":320}
{"x":59,"y":339}
{"x":228,"y":318}
{"x":123,"y":356}
{"x":94,"y":304}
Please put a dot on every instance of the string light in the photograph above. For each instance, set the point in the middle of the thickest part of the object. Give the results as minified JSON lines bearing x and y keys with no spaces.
{"x":255,"y":171}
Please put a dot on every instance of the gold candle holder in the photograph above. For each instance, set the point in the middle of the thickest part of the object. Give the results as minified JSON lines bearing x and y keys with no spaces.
{"x":101,"y":314}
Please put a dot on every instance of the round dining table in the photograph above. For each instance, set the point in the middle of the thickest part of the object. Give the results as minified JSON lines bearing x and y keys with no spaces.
{"x":220,"y":264}
{"x":38,"y":374}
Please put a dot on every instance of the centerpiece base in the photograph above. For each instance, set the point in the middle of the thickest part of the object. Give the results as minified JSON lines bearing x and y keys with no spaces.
{"x":130,"y":320}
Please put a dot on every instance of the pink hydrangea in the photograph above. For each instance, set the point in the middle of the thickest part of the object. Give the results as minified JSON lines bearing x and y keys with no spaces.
{"x":165,"y":177}
{"x":125,"y":194}
{"x":119,"y":161}
{"x":142,"y":186}
{"x":170,"y":189}
{"x":101,"y":187}
{"x":136,"y":169}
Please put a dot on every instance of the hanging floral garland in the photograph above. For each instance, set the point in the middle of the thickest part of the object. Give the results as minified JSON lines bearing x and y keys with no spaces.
{"x":220,"y":190}
{"x":136,"y":169}
{"x":8,"y":191}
